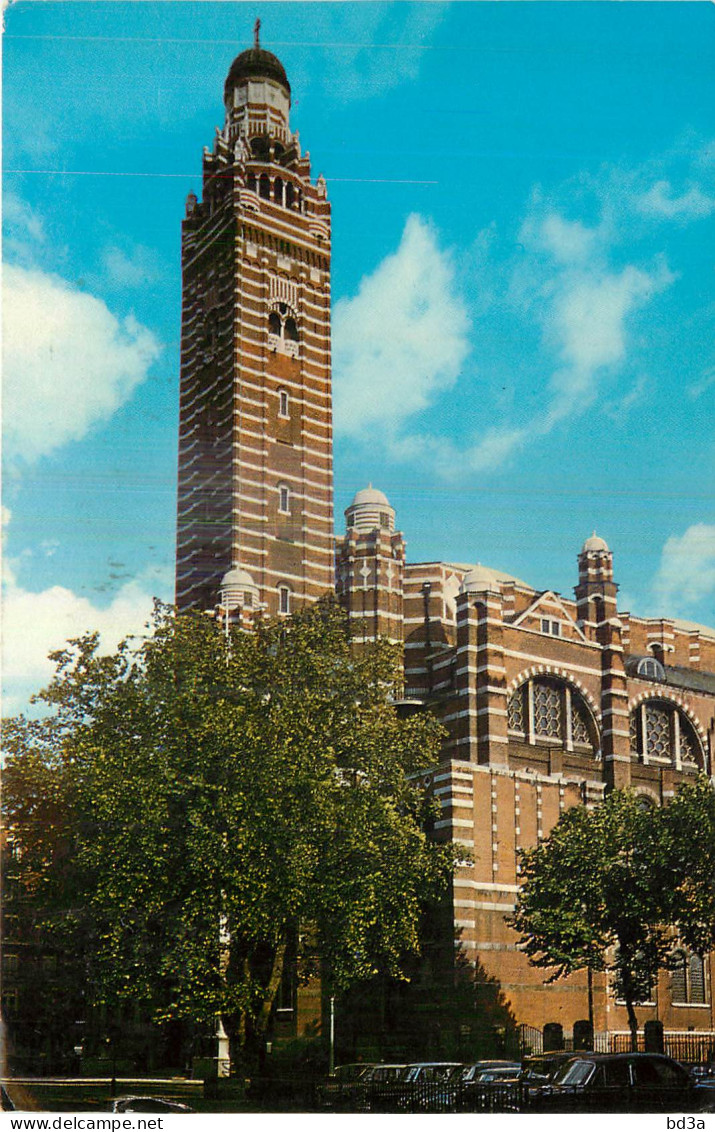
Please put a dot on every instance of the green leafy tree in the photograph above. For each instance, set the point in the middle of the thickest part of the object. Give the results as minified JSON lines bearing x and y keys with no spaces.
{"x":44,"y":928}
{"x":235,"y":802}
{"x":622,"y":888}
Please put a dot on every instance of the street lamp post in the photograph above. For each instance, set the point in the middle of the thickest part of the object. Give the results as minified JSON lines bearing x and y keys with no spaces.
{"x":331,"y":1056}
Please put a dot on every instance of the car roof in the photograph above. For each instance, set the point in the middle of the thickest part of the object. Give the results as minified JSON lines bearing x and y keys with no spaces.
{"x":430,"y":1064}
{"x":556,"y":1054}
{"x":493,"y":1064}
{"x":621,"y":1056}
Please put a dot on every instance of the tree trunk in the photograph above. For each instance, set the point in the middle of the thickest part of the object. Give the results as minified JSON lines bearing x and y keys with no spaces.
{"x":632,"y":1022}
{"x":271,"y":990}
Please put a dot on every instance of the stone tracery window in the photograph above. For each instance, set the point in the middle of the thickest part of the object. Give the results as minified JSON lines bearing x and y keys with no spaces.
{"x":658,"y":730}
{"x":661,"y":732}
{"x":688,"y":981}
{"x":516,"y":715}
{"x":545,"y":710}
{"x":579,"y":723}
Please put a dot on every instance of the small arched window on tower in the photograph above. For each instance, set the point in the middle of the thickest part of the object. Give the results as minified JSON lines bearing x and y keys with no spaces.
{"x":278,"y":191}
{"x":283,"y":328}
{"x":284,"y":499}
{"x":283,"y":403}
{"x":284,"y":599}
{"x":290,"y":195}
{"x":264,"y":187}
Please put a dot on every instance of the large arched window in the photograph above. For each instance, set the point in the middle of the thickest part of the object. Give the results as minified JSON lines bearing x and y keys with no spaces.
{"x":545,"y":710}
{"x":662,"y":733}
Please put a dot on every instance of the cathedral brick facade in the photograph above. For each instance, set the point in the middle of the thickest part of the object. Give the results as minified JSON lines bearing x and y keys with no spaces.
{"x":548,"y":701}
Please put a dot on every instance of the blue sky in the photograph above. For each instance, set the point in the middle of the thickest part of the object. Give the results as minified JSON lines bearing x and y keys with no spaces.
{"x":523,"y":201}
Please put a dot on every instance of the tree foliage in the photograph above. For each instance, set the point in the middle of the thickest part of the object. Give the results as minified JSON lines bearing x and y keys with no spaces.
{"x":622,"y":888}
{"x":226,"y":802}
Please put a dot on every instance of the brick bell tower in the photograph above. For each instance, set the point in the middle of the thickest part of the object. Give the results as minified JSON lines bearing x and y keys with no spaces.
{"x":255,"y":492}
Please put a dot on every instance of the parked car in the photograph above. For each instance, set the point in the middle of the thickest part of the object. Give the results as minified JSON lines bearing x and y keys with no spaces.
{"x":540,"y":1068}
{"x":489,"y":1086}
{"x":373,"y":1083}
{"x":485,"y":1072}
{"x":704,"y":1072}
{"x":621,"y":1082}
{"x":383,"y":1072}
{"x":338,"y":1090}
{"x":419,"y":1087}
{"x":148,"y":1104}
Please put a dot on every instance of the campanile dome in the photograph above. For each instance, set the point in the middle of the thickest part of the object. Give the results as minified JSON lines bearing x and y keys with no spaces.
{"x":255,"y":63}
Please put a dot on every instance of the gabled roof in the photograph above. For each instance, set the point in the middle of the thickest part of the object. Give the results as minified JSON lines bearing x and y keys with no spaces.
{"x":548,"y":597}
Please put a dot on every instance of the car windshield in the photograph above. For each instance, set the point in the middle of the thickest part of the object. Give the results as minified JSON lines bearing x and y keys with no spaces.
{"x":453,"y":1073}
{"x":430,"y":1072}
{"x":385,"y":1072}
{"x":498,"y":1074}
{"x":542,"y":1069}
{"x":574,"y":1073}
{"x":349,"y":1072}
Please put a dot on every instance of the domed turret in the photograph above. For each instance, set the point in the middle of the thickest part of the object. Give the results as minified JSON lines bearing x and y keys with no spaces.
{"x":480,"y":579}
{"x":238,"y":589}
{"x":370,"y":509}
{"x":594,"y":543}
{"x":596,"y":591}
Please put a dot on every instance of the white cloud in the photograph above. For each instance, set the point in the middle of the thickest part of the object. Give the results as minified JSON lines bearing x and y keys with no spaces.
{"x":659,"y":202}
{"x":687,"y":570}
{"x":587,"y":327}
{"x":381,"y":46}
{"x":568,"y":241}
{"x":135,"y":270}
{"x":701,"y":386}
{"x":494,"y":448}
{"x":37,"y":623}
{"x":19,"y":219}
{"x":68,"y":362}
{"x":402,"y":339}
{"x":23,"y":228}
{"x":618,"y":409}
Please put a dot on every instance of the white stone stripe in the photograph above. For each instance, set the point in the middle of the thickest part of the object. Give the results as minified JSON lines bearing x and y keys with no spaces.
{"x":537,"y":660}
{"x":460,"y":823}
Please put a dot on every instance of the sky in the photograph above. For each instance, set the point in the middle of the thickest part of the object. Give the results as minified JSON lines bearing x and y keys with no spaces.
{"x":523,"y":200}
